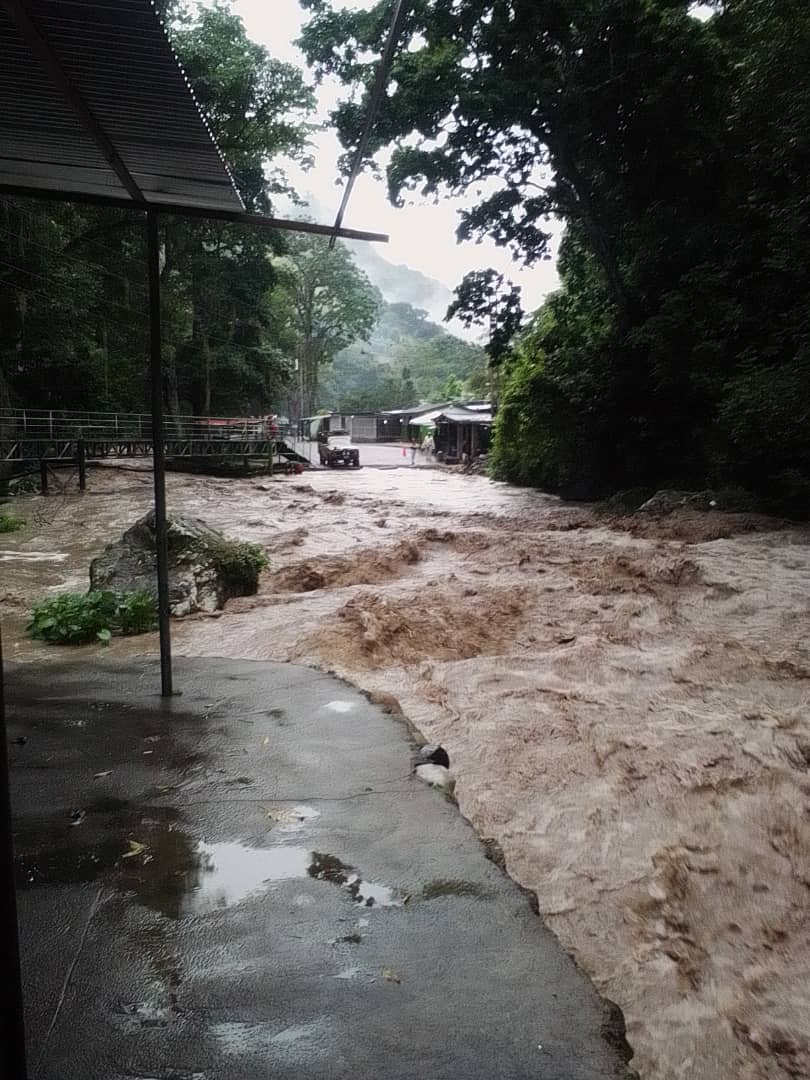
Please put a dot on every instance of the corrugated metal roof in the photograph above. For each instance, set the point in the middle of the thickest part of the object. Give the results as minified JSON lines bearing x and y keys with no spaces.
{"x":464,"y":416}
{"x":93,"y":101}
{"x":426,"y":419}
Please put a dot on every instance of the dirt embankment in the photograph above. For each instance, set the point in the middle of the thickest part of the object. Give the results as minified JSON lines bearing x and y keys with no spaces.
{"x":626,"y":705}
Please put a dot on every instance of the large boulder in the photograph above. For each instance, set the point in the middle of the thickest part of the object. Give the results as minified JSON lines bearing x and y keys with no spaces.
{"x":205,"y":567}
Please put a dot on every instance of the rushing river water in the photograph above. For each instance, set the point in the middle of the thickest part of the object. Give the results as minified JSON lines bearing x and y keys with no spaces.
{"x":626,"y":715}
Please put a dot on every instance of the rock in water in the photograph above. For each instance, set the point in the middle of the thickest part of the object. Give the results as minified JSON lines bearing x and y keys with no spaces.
{"x":434,"y":754}
{"x":205,"y":567}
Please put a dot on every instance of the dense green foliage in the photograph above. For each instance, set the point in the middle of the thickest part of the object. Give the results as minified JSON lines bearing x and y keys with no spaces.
{"x":79,"y":618}
{"x":676,"y":151}
{"x":323,"y":303}
{"x":72,"y":277}
{"x":10,"y":522}
{"x":240,"y":562}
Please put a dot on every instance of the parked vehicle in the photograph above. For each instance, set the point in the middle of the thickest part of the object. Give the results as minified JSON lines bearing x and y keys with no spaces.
{"x":335,"y":450}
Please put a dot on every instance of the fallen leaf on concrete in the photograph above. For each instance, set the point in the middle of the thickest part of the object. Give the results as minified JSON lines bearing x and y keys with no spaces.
{"x":265,"y":740}
{"x":100,"y":775}
{"x":390,"y":975}
{"x":77,"y":817}
{"x":135,"y":848}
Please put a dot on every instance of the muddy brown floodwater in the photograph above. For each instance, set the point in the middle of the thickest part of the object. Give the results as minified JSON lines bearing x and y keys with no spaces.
{"x":625,"y":706}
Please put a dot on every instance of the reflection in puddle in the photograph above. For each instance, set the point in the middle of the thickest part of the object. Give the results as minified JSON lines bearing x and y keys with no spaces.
{"x":229,"y":873}
{"x":340,"y":706}
{"x":170,"y":873}
{"x":368,"y":893}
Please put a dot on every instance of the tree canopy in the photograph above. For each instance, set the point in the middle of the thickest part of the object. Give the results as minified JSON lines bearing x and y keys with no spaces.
{"x":72,"y":277}
{"x":324,"y":303}
{"x":407,"y":360}
{"x":675,"y":150}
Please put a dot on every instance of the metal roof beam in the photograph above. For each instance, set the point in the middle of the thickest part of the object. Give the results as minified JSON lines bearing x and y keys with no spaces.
{"x":235,"y":217}
{"x":41,"y":48}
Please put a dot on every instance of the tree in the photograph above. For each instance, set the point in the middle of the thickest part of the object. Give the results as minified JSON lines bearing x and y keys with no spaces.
{"x":72,"y":278}
{"x":675,"y":151}
{"x":325,"y":303}
{"x":221,"y":274}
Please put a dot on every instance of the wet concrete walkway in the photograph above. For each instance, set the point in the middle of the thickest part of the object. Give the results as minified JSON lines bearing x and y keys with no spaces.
{"x":247,"y":882}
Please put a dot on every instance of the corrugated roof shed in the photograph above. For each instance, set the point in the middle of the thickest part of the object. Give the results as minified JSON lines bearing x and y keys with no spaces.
{"x":93,"y":101}
{"x":464,"y":416}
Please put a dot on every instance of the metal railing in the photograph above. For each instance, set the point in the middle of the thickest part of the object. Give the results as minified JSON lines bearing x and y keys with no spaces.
{"x":59,"y":424}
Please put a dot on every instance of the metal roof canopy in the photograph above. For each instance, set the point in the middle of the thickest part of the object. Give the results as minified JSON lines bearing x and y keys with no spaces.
{"x":95,"y":106}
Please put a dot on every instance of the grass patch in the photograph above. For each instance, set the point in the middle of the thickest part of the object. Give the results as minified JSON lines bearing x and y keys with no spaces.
{"x":239,"y":563}
{"x":10,"y":522}
{"x":79,"y":618}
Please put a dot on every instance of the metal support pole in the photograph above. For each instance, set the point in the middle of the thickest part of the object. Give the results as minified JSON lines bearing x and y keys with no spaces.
{"x":12,"y":1020}
{"x":159,"y":451}
{"x":81,"y":457}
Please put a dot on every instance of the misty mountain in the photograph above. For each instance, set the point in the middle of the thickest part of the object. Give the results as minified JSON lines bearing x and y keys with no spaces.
{"x":401,"y":284}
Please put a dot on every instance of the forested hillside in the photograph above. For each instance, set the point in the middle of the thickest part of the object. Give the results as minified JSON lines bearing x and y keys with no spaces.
{"x":407,"y":359}
{"x":672,"y":140}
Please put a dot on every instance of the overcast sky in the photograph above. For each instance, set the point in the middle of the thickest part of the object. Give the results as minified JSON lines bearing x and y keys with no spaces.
{"x":422,"y":235}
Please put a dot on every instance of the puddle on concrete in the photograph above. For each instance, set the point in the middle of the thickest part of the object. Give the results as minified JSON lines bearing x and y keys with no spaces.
{"x":339,"y":706}
{"x":242,"y":1039}
{"x":136,"y":1015}
{"x":229,"y":873}
{"x":441,"y":887}
{"x":142,"y":850}
{"x":291,"y":819}
{"x":368,"y":893}
{"x":348,"y":974}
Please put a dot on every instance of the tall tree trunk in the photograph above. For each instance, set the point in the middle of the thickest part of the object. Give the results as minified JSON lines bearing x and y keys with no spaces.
{"x":309,"y":377}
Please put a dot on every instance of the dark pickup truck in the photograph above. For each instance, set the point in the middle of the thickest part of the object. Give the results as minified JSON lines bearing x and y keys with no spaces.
{"x":336,"y":451}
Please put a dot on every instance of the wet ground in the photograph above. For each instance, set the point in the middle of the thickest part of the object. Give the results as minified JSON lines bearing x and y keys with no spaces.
{"x":247,"y":881}
{"x":625,"y":704}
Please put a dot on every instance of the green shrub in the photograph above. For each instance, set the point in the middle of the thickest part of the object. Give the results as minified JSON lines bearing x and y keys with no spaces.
{"x":78,"y":618}
{"x":239,"y":562}
{"x":24,"y":485}
{"x":10,"y":522}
